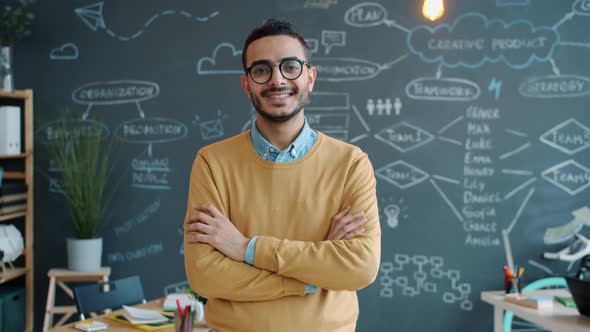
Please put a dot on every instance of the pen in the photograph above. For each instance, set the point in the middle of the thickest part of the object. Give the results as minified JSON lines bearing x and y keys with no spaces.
{"x":179,"y":309}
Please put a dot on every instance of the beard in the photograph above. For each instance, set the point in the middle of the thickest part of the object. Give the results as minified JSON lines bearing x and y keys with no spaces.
{"x":302,"y":100}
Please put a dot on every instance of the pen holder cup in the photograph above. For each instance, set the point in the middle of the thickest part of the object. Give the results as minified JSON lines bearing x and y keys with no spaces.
{"x":510,"y":283}
{"x":184,"y":323}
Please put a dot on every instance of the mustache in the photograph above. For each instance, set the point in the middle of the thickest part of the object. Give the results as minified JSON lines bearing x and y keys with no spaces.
{"x":278,"y":89}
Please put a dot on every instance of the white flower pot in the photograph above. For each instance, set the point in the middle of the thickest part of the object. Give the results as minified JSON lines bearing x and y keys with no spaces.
{"x":84,"y":255}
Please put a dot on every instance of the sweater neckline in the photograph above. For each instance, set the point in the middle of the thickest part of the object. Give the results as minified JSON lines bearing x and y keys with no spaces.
{"x":271,"y":164}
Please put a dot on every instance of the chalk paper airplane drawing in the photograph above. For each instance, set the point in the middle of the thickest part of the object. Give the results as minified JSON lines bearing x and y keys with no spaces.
{"x":92,"y":16}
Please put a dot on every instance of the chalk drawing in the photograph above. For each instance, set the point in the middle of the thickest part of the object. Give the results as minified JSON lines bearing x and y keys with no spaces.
{"x":151,"y":130}
{"x":115,"y":92}
{"x":519,"y":188}
{"x":447,"y":200}
{"x":404,"y":137}
{"x":517,"y":172}
{"x":570,"y":176}
{"x":401,"y":174}
{"x":319,"y":4}
{"x":67,"y":51}
{"x":444,"y":89}
{"x":428,"y":276}
{"x":555,"y":86}
{"x":92,"y":16}
{"x":569,"y":137}
{"x":331,"y":38}
{"x":520,"y":209}
{"x":564,"y":19}
{"x":567,"y":231}
{"x":515,"y":151}
{"x":517,"y":44}
{"x":369,"y":14}
{"x":328,"y":101}
{"x":495,"y":87}
{"x":226,"y":59}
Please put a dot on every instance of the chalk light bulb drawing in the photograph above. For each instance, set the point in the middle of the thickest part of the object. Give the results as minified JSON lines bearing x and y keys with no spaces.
{"x":392,"y":213}
{"x":433,"y":9}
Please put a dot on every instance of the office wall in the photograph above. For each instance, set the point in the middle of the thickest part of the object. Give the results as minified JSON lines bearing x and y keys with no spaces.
{"x":474,"y":124}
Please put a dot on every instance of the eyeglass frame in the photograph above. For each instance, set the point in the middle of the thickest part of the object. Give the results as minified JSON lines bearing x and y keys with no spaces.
{"x":279,"y":64}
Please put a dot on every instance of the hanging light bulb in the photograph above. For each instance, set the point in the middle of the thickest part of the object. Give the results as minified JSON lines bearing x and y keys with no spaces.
{"x":433,"y":9}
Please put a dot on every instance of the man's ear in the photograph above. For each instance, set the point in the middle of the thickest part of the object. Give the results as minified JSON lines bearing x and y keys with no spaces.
{"x":244,"y":82}
{"x":311,"y":76}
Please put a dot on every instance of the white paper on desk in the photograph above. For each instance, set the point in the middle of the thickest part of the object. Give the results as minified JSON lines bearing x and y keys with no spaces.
{"x":142,"y":316}
{"x":170,"y":301}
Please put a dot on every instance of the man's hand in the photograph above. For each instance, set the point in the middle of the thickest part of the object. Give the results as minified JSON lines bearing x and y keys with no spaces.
{"x":346,"y":226}
{"x":212,"y":227}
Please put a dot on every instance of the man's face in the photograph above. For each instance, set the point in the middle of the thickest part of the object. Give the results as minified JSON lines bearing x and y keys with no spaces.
{"x":279,"y":99}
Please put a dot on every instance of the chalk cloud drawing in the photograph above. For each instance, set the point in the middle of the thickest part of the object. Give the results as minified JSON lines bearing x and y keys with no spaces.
{"x":569,"y":137}
{"x":226,"y":59}
{"x":67,"y":51}
{"x":473,"y":40}
{"x":92,"y":16}
{"x":424,"y":275}
{"x":569,"y":175}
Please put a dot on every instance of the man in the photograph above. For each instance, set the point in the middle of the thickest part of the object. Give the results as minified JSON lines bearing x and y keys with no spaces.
{"x":272,"y":238}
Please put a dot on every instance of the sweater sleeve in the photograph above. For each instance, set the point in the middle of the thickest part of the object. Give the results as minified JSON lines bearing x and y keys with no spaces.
{"x":213,"y":275}
{"x":333,"y":265}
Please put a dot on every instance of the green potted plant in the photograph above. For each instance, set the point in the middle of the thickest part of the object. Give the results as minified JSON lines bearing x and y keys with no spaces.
{"x":83,"y":155}
{"x":15,"y":24}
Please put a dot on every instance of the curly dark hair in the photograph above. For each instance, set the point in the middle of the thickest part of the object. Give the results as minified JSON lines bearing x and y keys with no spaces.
{"x":275,"y":27}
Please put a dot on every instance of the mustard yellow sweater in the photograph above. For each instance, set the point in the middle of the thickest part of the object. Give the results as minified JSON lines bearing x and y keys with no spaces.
{"x":290,"y":207}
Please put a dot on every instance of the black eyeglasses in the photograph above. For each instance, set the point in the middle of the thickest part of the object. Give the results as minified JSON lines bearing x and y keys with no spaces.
{"x":290,"y":68}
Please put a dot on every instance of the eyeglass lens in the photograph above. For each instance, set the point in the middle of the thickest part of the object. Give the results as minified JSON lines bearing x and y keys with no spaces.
{"x":290,"y":69}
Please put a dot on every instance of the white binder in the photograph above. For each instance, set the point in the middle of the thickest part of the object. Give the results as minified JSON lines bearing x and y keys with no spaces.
{"x":10,"y":132}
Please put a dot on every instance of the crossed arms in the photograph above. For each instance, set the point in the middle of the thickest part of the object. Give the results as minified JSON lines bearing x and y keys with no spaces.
{"x":347,"y":260}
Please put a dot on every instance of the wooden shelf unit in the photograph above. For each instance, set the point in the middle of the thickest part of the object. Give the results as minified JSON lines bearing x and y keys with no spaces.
{"x":25,"y":98}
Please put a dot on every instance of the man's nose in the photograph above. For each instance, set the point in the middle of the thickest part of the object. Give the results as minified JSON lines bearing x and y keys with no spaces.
{"x":277,"y":78}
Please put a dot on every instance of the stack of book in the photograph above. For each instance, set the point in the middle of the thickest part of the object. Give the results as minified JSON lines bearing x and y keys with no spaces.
{"x":13,"y":198}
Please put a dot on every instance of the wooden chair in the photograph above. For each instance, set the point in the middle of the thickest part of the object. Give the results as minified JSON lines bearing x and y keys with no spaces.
{"x":95,"y":298}
{"x":61,"y":277}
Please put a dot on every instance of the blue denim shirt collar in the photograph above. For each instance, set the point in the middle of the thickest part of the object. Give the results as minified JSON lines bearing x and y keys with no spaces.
{"x":263,"y":147}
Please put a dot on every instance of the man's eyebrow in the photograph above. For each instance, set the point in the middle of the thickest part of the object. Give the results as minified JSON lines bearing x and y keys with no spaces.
{"x":268,"y":62}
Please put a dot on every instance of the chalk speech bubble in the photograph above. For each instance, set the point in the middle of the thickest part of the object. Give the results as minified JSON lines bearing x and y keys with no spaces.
{"x":151,"y":130}
{"x":366,"y":14}
{"x":115,"y":92}
{"x":333,"y":38}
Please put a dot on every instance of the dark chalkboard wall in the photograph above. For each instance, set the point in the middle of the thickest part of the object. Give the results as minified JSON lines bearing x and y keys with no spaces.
{"x":474,"y":124}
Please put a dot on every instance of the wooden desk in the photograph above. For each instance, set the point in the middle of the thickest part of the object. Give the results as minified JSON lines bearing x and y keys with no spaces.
{"x":115,"y":326}
{"x":560,"y":318}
